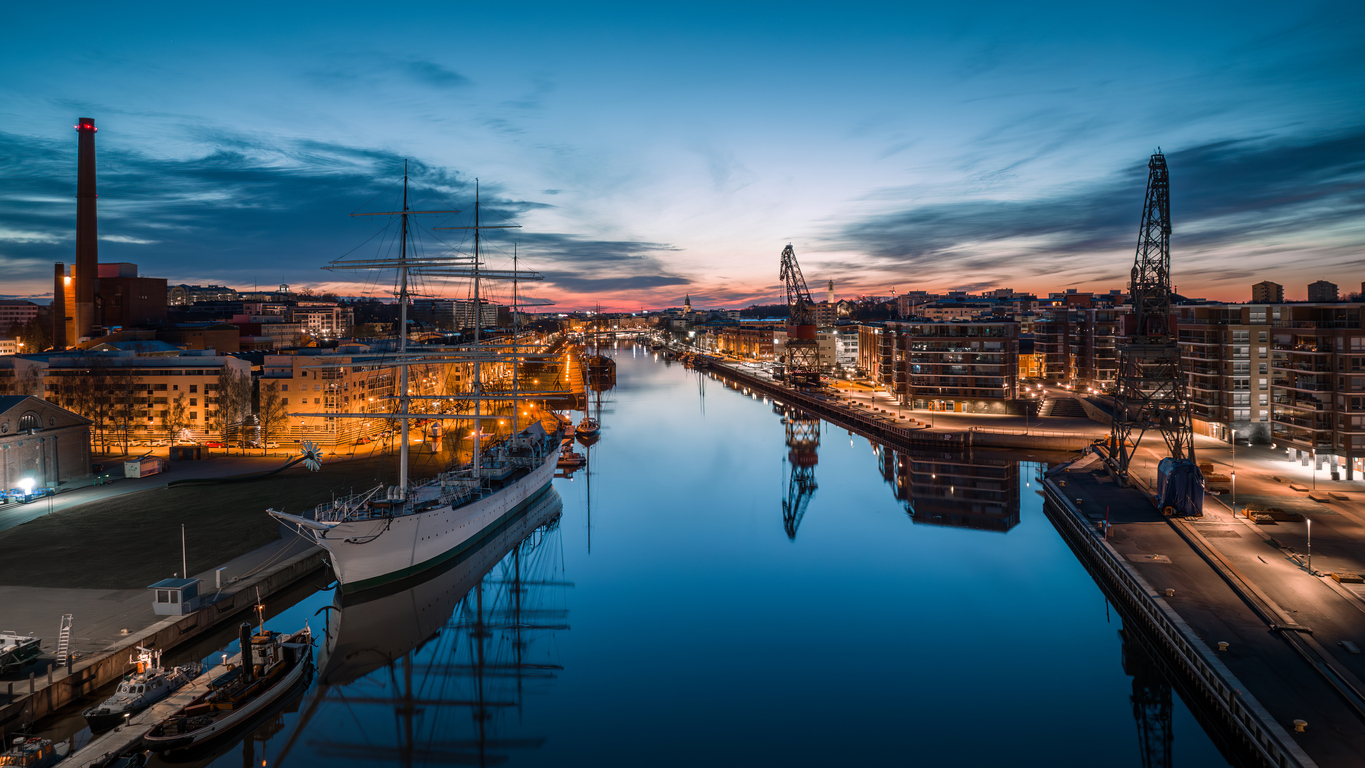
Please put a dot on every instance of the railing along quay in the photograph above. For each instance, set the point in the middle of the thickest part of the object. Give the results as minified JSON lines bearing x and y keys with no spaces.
{"x":1182,"y":648}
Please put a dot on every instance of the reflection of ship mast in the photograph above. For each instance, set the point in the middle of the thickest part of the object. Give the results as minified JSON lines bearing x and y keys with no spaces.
{"x":416,"y":634}
{"x":803,"y":443}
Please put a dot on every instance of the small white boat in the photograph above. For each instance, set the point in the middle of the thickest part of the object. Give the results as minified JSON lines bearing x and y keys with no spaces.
{"x":138,"y":690}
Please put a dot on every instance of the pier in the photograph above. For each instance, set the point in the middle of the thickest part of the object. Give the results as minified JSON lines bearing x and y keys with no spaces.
{"x":41,"y":695}
{"x":1250,"y":660}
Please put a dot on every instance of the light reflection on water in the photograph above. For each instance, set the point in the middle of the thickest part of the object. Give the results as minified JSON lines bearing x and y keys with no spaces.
{"x":760,"y":588}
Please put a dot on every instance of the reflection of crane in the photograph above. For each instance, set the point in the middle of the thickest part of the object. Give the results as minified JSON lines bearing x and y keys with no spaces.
{"x":803,"y":443}
{"x":1151,"y":706}
{"x":802,"y":357}
{"x":1150,"y":387}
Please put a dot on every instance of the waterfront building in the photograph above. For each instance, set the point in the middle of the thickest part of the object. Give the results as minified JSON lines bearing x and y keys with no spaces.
{"x":966,"y":367}
{"x":1317,"y":387}
{"x":41,"y":444}
{"x":1322,"y":291}
{"x":1267,"y":292}
{"x":1224,"y":353}
{"x":1078,"y":344}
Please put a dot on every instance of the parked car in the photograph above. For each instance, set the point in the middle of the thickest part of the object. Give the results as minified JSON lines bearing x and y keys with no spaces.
{"x":214,"y":444}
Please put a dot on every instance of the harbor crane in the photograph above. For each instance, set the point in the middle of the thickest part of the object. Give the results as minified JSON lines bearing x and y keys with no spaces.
{"x":1150,"y":391}
{"x":801,"y":360}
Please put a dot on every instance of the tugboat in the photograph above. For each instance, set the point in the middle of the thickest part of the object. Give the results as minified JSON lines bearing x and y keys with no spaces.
{"x":31,"y":752}
{"x":273,"y":665}
{"x":139,"y":690}
{"x":17,"y":650}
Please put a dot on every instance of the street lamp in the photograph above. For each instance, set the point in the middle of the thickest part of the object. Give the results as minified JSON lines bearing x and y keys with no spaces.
{"x":1234,"y":473}
{"x":1313,"y":454}
{"x":1310,"y":544}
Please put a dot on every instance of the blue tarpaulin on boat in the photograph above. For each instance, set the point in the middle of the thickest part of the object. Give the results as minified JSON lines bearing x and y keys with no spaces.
{"x":1179,"y":488}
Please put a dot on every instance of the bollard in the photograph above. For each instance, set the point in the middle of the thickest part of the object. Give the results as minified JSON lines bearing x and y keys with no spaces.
{"x":49,"y":674}
{"x":1222,"y":646}
{"x":32,"y":688}
{"x":1300,"y":726}
{"x":1170,"y":593}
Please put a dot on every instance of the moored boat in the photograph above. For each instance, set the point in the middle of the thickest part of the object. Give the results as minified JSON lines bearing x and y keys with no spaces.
{"x":148,"y":684}
{"x":31,"y":752}
{"x":16,"y":650}
{"x":272,"y":666}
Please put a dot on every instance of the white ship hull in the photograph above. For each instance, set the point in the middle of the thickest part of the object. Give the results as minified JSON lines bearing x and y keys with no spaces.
{"x":367,"y":553}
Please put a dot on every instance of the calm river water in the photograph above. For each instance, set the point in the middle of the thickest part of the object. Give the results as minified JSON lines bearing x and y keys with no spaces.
{"x":687,"y":617}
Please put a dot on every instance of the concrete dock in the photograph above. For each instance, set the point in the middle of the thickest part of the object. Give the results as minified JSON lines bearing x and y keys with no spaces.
{"x":1282,"y":662}
{"x":40,"y":691}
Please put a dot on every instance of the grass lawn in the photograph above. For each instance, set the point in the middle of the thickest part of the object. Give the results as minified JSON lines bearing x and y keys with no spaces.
{"x":130,"y":541}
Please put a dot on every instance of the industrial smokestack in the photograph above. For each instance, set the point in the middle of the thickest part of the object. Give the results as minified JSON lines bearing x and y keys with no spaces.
{"x":86,"y":270}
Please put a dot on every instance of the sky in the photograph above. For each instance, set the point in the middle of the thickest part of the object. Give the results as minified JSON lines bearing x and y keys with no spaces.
{"x":651,"y":151}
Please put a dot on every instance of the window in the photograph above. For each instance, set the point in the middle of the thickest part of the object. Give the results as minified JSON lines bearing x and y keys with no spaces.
{"x":159,"y":387}
{"x":175,"y":387}
{"x":29,"y":421}
{"x":1265,"y":400}
{"x":316,"y":401}
{"x":194,"y":416}
{"x":1261,"y":382}
{"x":159,"y":400}
{"x":1265,"y":415}
{"x":164,"y":596}
{"x":1262,"y":352}
{"x":195,"y":387}
{"x":286,"y":388}
{"x":1262,"y":337}
{"x":284,"y":400}
{"x":1241,"y":337}
{"x":194,"y":401}
{"x":1263,"y":371}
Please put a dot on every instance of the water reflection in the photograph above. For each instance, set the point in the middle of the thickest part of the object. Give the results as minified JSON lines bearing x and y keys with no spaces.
{"x":803,"y":447}
{"x":1151,"y":705}
{"x":427,"y":673}
{"x":967,"y":489}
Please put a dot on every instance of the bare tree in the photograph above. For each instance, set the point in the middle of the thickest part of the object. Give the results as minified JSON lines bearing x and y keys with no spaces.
{"x":175,"y":417}
{"x":272,"y":412}
{"x":233,"y":395}
{"x":122,"y":384}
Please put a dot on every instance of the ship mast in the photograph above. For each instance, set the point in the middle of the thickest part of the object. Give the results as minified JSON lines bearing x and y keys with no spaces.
{"x":478,"y":321}
{"x":403,"y":400}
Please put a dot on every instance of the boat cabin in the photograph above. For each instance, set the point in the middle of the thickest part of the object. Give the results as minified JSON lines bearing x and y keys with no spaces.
{"x":175,"y":597}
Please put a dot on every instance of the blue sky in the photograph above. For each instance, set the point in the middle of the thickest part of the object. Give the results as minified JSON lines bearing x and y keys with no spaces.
{"x":653,"y":150}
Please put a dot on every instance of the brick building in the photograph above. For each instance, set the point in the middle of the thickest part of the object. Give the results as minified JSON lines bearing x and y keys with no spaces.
{"x":41,"y":443}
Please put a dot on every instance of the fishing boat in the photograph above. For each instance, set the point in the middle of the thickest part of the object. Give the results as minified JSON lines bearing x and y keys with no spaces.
{"x":271,"y":667}
{"x":145,"y":686}
{"x":17,"y":651}
{"x":587,"y":428}
{"x":31,"y":752}
{"x":393,"y":532}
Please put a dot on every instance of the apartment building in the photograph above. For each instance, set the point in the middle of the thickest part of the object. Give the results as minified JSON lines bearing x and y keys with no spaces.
{"x":965,"y":367}
{"x":149,"y":384}
{"x":16,"y":312}
{"x":1224,"y":352}
{"x":1079,"y":344}
{"x":323,"y":318}
{"x":1317,"y":387}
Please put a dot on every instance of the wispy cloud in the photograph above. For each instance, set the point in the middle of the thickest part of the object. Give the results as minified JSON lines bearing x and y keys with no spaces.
{"x":1300,"y":192}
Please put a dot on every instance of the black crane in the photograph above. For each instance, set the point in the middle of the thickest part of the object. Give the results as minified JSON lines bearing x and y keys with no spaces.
{"x":1150,"y":389}
{"x":801,"y":360}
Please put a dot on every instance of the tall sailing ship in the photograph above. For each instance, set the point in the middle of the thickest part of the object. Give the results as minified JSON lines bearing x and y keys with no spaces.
{"x":391,"y":532}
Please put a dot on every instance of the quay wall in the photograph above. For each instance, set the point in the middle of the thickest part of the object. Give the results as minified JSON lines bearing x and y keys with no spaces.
{"x":1192,"y":659}
{"x":59,"y":688}
{"x":895,"y":435}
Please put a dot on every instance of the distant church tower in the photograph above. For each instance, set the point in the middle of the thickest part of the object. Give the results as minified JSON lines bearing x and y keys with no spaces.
{"x":687,"y":303}
{"x":831,"y":291}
